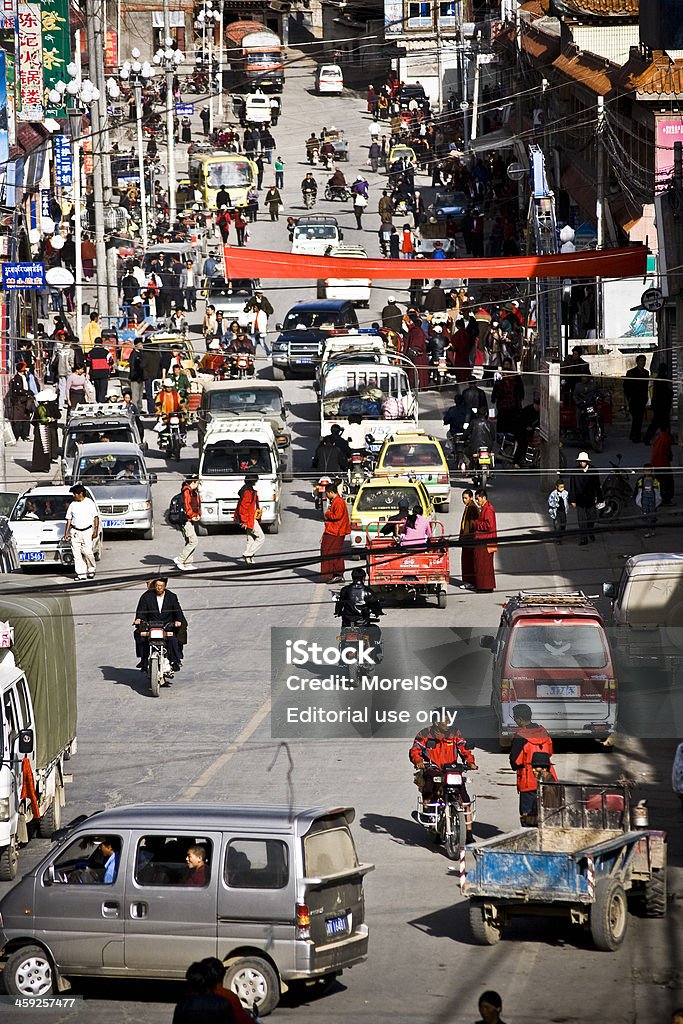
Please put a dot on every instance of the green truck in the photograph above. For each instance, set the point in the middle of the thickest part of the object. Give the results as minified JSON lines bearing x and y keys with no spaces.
{"x":37,"y":715}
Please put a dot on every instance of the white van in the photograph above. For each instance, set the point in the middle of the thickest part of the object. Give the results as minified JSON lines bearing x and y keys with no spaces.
{"x":231,"y":450}
{"x":356,"y":290}
{"x":314,"y":234}
{"x":329,"y":80}
{"x":647,"y":610}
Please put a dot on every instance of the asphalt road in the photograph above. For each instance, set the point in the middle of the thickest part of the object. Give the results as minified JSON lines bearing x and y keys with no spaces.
{"x":209,"y":736}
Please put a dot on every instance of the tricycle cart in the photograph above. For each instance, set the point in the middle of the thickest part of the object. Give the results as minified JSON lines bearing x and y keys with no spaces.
{"x":579,"y":863}
{"x":340,"y":143}
{"x":392,"y":568}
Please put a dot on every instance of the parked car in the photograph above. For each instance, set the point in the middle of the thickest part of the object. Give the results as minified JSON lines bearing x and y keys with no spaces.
{"x":120,"y":483}
{"x":38,"y":522}
{"x":450,"y":206}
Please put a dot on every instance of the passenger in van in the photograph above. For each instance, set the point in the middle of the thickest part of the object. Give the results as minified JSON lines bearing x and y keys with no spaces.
{"x":101,"y":866}
{"x":239,"y":867}
{"x":199,"y":869}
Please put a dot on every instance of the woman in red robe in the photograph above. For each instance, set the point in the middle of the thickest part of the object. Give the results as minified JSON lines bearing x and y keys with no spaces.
{"x":337,"y":528}
{"x":485,"y":531}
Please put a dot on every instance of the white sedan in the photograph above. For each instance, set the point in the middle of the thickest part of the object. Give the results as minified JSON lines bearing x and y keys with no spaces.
{"x":38,"y":522}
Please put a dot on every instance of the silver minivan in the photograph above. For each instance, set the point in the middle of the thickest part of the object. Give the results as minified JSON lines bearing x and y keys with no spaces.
{"x":143,"y":891}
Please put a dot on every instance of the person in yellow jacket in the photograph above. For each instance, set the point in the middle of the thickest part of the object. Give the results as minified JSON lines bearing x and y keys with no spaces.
{"x":168,"y":401}
{"x":91,"y":332}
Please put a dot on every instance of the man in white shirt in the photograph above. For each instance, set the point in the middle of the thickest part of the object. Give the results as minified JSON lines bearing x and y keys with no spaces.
{"x":82,"y":525}
{"x":188,"y":286}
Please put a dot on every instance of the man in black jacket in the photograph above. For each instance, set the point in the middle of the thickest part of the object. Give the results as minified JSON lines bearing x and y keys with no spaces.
{"x":435,"y":300}
{"x":135,"y":374}
{"x":160,"y":607}
{"x":584,"y":493}
{"x":636,"y":383}
{"x":330,"y":456}
{"x":151,"y":369}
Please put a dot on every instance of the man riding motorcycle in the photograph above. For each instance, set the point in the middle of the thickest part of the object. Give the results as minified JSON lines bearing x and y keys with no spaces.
{"x":312,"y":147}
{"x":309,"y":184}
{"x":585,"y":393}
{"x":241,"y":345}
{"x":478,"y":434}
{"x":357,"y":604}
{"x":337,"y":180}
{"x":160,"y":607}
{"x":440,"y":745}
{"x":169,"y":402}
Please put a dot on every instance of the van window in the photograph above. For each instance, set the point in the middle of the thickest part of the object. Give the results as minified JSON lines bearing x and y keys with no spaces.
{"x":568,"y":647}
{"x":228,"y":458}
{"x":40,"y":508}
{"x":256,"y":864}
{"x":328,"y":852}
{"x":93,"y":435}
{"x":89,"y":861}
{"x":163,"y":860}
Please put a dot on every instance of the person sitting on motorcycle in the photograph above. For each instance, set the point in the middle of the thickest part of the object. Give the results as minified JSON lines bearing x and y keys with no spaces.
{"x":478,"y":434}
{"x":440,"y":744}
{"x":328,"y":152}
{"x":358,"y":604}
{"x":584,"y":393}
{"x":527,"y":422}
{"x":333,"y":453}
{"x":309,"y":185}
{"x":475,"y":398}
{"x":355,"y":434}
{"x":312,"y":145}
{"x":242,"y":343}
{"x":168,"y":401}
{"x":456,"y":415}
{"x":337,"y":180}
{"x":160,"y":607}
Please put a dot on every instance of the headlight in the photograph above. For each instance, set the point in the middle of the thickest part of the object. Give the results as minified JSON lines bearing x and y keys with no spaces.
{"x":279,"y":346}
{"x":4,"y":809}
{"x":141,"y":506}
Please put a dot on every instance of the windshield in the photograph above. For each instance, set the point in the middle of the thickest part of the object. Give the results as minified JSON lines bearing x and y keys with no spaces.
{"x":110,"y":469}
{"x":412,"y":455}
{"x":96,"y":435}
{"x":238,"y":287}
{"x":386,"y":499}
{"x":264,"y":57}
{"x":319,"y":231}
{"x":557,"y":646}
{"x":261,"y":400}
{"x":41,"y":508}
{"x":235,"y":173}
{"x":231,"y":458}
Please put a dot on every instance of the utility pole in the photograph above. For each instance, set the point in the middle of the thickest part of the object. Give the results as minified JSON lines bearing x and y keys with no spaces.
{"x":464,"y":104}
{"x":439,"y":67}
{"x":475,"y":97}
{"x":170,"y":146}
{"x":600,"y":215}
{"x":98,"y":177}
{"x":219,"y":110}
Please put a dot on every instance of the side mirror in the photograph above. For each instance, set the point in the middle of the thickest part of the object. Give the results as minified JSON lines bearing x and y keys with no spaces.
{"x":489,"y":642}
{"x":26,"y":741}
{"x":278,"y":327}
{"x":609,"y":590}
{"x":50,"y":878}
{"x":152,"y":478}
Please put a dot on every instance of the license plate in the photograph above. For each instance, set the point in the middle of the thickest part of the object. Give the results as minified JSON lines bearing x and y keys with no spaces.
{"x":484,"y":460}
{"x":453,"y":780}
{"x":337,"y":925}
{"x":111,"y":522}
{"x":305,"y":360}
{"x":31,"y":556}
{"x":558,"y":689}
{"x":424,"y":476}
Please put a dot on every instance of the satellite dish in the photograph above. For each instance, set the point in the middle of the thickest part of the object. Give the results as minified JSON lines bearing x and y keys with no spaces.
{"x":59,"y":277}
{"x":515,"y":172}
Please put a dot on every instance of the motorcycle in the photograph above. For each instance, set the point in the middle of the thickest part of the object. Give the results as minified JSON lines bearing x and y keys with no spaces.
{"x":158,"y":663}
{"x":482,"y":465}
{"x":309,"y":197}
{"x":617,"y":490}
{"x":337,"y":193}
{"x":363,"y":647}
{"x":172,"y":437}
{"x":591,"y":428}
{"x":444,"y":812}
{"x":241,"y":366}
{"x":441,"y":371}
{"x":361,"y":466}
{"x":455,"y":449}
{"x":312,"y":155}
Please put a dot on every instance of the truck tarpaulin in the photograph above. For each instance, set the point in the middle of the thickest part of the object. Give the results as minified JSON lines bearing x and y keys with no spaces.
{"x":606,"y":263}
{"x":45,"y":648}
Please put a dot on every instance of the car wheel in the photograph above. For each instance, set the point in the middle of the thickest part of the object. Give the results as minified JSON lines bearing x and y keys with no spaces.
{"x":28,"y":972}
{"x":149,"y":534}
{"x":255,"y":982}
{"x":9,"y":862}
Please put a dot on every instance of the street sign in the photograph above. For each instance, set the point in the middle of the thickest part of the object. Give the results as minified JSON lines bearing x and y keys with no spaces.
{"x":652,"y":300}
{"x":184,"y":109}
{"x":515,"y":171}
{"x":63,"y":165}
{"x":20,"y":276}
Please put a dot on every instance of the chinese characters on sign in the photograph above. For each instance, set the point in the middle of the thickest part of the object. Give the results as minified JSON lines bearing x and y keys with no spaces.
{"x":63,"y":165}
{"x":88,"y":164}
{"x":111,"y":50}
{"x":56,"y":48}
{"x":30,"y":63}
{"x":23,"y":275}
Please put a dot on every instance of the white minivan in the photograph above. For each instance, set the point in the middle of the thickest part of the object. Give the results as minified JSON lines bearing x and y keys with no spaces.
{"x":230,"y":452}
{"x":329,"y":80}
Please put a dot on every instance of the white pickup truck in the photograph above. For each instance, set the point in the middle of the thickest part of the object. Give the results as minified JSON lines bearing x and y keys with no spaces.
{"x":380,"y":393}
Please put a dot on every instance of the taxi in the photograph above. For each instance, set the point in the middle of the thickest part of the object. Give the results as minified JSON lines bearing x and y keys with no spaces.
{"x":421,"y":457}
{"x":377,"y":501}
{"x":402,"y":152}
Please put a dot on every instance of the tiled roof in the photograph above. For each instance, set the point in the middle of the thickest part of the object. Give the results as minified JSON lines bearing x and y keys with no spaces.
{"x":540,"y":47}
{"x":586,"y":70}
{"x":662,"y":77}
{"x":597,"y":8}
{"x":536,"y":8}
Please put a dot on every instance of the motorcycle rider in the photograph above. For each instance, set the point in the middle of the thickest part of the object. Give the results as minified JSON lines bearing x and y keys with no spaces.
{"x":332,"y":454}
{"x":456,"y":415}
{"x":169,"y":402}
{"x":478,"y":434}
{"x":309,"y":186}
{"x":440,"y":744}
{"x":585,"y":393}
{"x":337,"y":180}
{"x":357,"y":604}
{"x":312,"y":147}
{"x":475,"y":398}
{"x":160,"y":607}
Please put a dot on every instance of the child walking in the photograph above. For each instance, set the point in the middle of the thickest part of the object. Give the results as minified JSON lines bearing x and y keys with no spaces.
{"x":558,"y":506}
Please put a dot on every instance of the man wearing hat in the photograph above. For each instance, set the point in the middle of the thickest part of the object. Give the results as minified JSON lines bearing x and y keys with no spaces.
{"x":584,"y":494}
{"x":192,"y":506}
{"x":392,"y":317}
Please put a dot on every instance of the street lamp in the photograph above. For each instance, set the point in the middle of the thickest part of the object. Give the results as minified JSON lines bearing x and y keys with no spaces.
{"x":207,"y":19}
{"x":82,"y":94}
{"x":169,"y":59}
{"x":138,"y":75}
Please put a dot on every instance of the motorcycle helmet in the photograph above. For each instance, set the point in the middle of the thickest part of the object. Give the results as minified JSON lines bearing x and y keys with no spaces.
{"x":358,"y":575}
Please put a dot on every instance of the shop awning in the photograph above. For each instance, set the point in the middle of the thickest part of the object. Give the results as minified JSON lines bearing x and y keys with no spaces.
{"x":257,"y":263}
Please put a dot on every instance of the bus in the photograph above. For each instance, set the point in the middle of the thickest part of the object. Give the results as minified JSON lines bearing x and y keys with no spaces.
{"x":210,"y":171}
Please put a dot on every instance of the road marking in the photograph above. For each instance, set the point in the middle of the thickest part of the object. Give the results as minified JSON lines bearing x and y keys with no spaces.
{"x":254,"y":722}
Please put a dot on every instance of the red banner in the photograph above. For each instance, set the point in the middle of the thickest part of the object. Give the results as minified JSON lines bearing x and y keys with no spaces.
{"x":257,"y":263}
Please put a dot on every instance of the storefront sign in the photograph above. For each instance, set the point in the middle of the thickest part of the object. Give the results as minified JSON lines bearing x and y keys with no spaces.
{"x":54,"y":16}
{"x":30,"y":63}
{"x":87,"y":151}
{"x":184,"y":109}
{"x":63,"y":162}
{"x":669,"y":130}
{"x":111,"y":50}
{"x":17,"y":276}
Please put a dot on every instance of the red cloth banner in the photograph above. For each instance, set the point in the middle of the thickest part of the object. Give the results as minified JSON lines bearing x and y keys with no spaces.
{"x":243,"y":262}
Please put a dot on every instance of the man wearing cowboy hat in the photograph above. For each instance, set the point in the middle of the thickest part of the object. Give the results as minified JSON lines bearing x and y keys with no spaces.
{"x":584,"y":494}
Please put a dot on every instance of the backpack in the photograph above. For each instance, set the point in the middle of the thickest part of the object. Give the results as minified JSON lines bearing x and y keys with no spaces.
{"x":176,"y":511}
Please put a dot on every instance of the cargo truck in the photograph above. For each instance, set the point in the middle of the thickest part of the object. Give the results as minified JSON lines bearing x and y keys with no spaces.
{"x":254,"y":54}
{"x":37,"y":716}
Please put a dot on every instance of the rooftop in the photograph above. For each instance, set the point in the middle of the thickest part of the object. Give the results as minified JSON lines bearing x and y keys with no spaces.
{"x":661,"y":77}
{"x":613,"y":9}
{"x":585,"y":69}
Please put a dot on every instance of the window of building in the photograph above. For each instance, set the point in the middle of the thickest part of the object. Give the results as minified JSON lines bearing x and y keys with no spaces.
{"x":419,"y":14}
{"x":447,"y":10}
